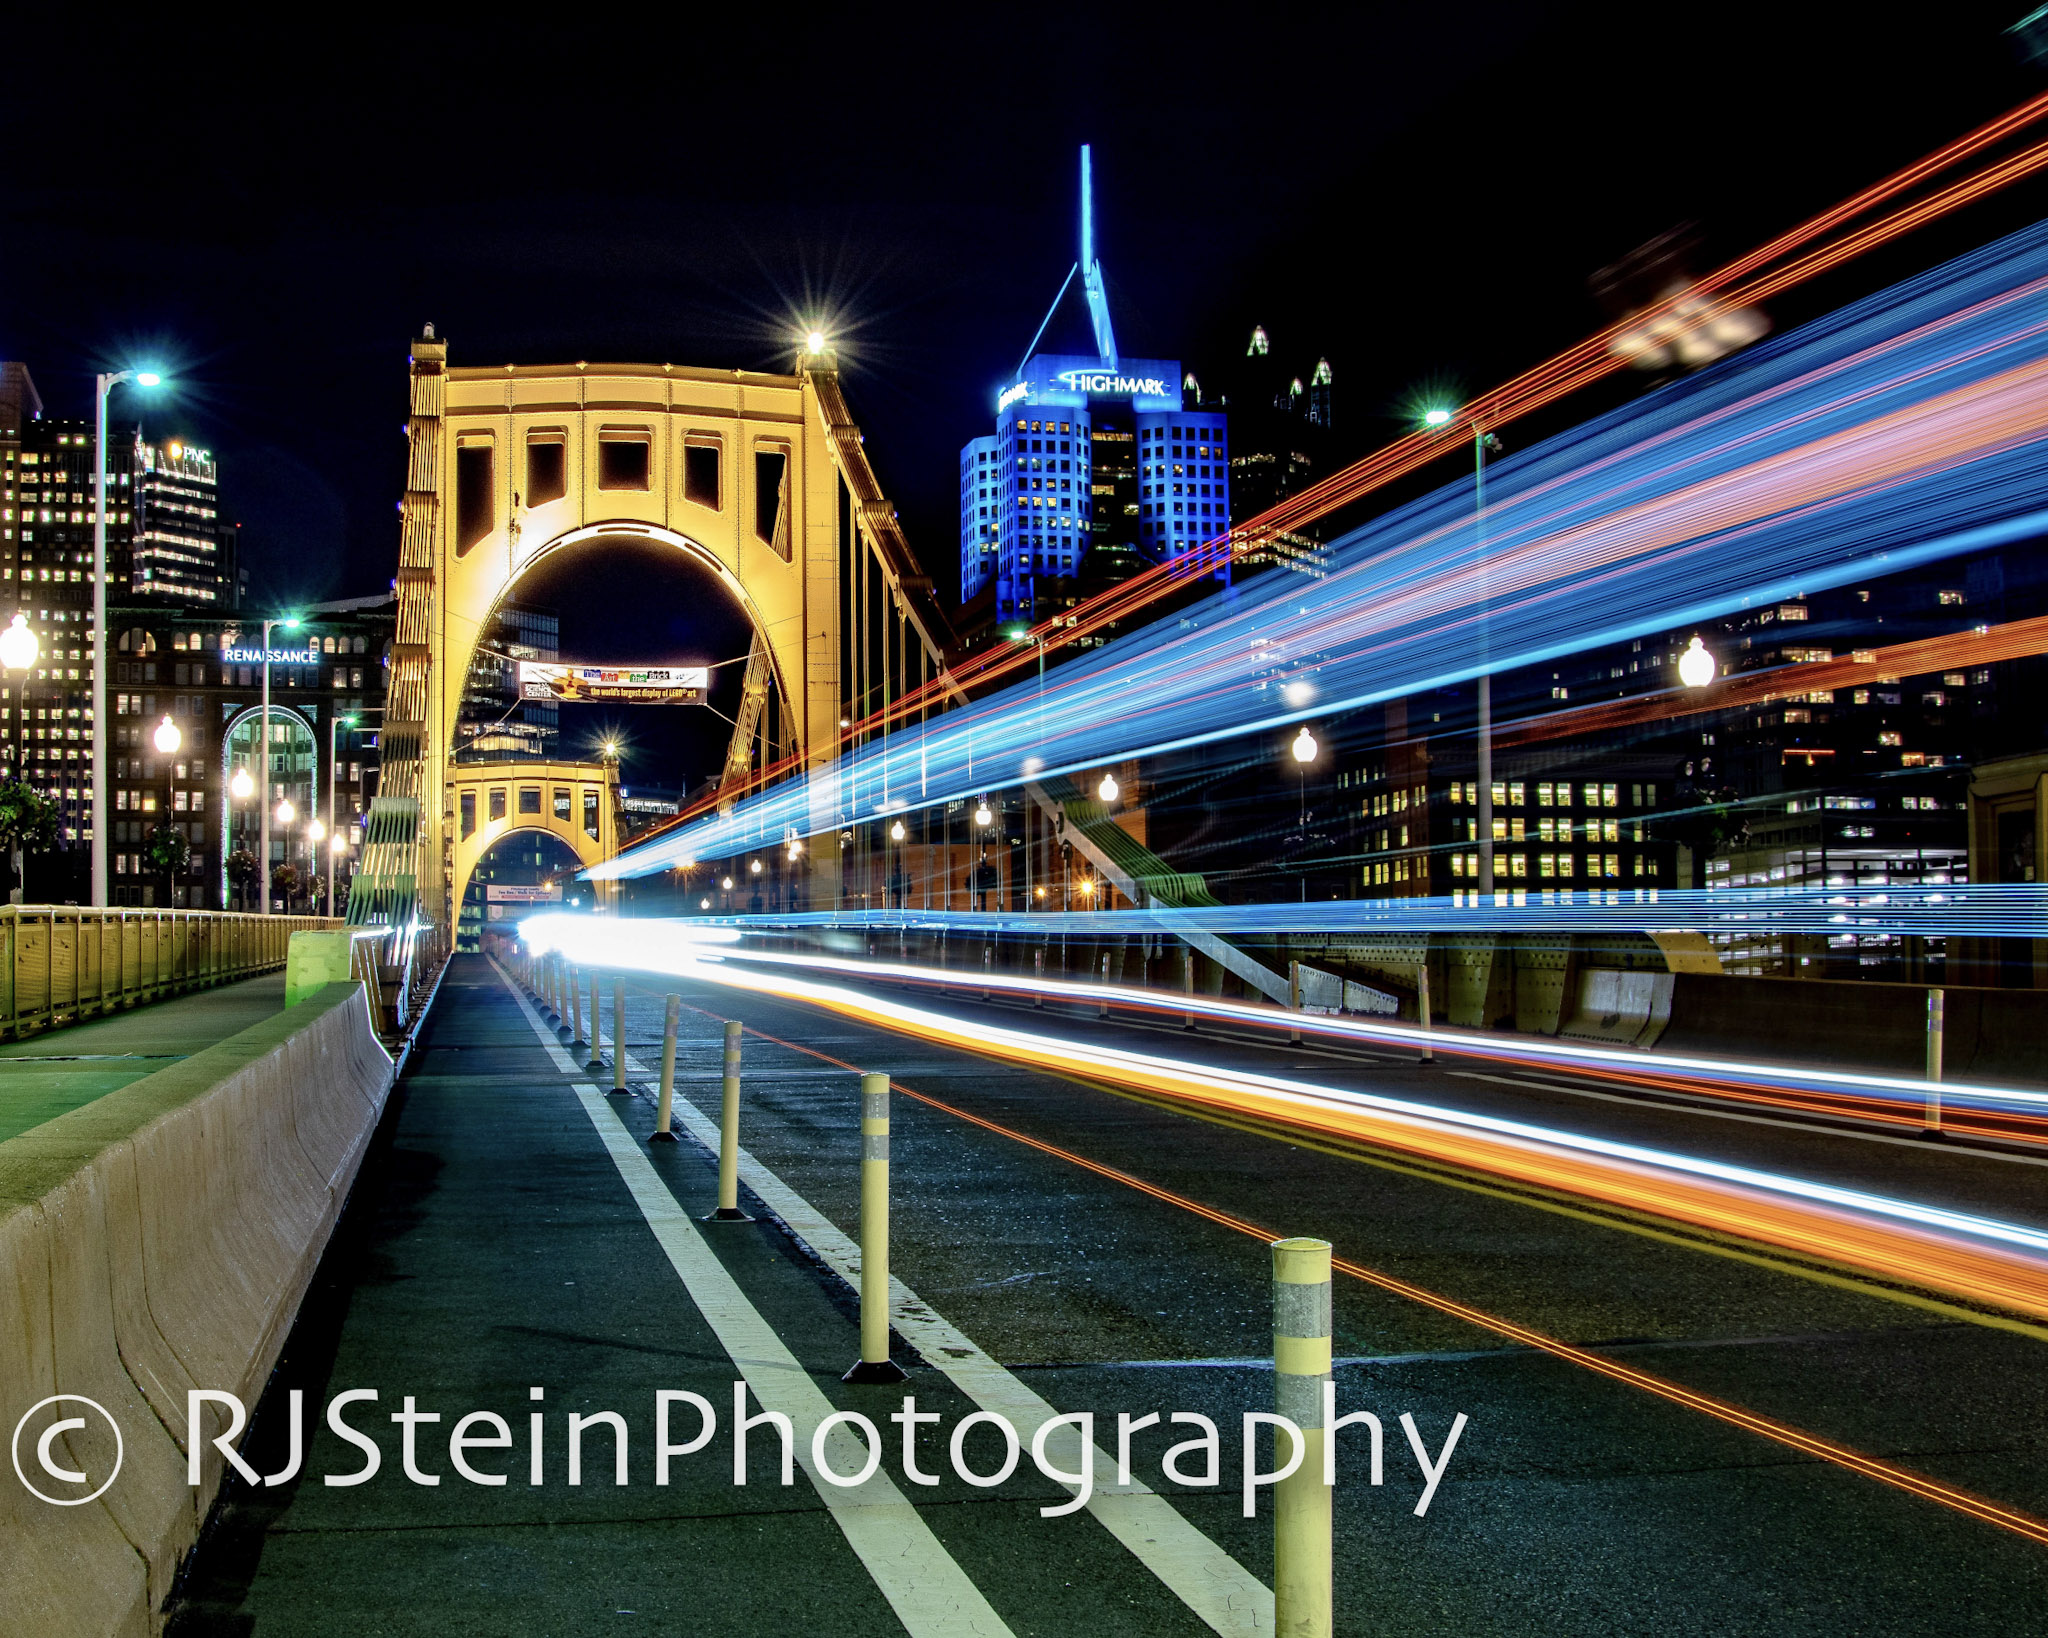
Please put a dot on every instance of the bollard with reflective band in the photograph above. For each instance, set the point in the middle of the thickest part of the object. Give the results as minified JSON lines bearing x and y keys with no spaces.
{"x":1187,"y":984}
{"x":619,"y":1038}
{"x":988,"y":963}
{"x":666,"y":1107}
{"x":575,"y":991}
{"x":596,"y":1063}
{"x":729,"y":1134}
{"x":1038,"y":972}
{"x":1102,"y":1008}
{"x":875,"y":1364}
{"x":1931,"y":1120}
{"x":1294,"y":1001}
{"x":1422,"y":1009}
{"x":1303,"y":1580}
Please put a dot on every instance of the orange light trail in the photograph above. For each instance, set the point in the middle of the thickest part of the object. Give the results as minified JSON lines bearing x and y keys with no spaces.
{"x":2012,"y":640}
{"x":1888,"y":1248}
{"x":1782,"y":1433}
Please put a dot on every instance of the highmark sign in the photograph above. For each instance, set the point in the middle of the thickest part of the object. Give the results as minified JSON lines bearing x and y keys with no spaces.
{"x":1109,"y":384}
{"x":1151,"y":385}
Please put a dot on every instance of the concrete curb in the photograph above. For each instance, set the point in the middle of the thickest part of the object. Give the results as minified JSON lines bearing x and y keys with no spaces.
{"x":155,"y":1240}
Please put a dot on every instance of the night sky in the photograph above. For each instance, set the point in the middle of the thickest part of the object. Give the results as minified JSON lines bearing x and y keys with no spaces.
{"x":1419,"y":193}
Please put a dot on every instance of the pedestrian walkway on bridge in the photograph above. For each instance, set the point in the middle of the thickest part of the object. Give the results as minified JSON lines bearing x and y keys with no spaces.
{"x":43,"y":1075}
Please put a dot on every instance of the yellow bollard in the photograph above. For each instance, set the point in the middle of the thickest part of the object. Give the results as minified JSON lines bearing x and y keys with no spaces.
{"x":1303,"y":1579}
{"x":619,"y":1038}
{"x":666,"y":1108}
{"x":875,"y":1364}
{"x":596,"y":1027}
{"x":729,"y":1134}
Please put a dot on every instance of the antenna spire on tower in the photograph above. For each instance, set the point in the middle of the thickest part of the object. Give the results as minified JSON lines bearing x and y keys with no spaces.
{"x":1091,"y":269}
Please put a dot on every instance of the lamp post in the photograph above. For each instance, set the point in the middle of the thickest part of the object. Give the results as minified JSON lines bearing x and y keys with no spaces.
{"x":288,"y":622}
{"x":97,"y":809}
{"x":334,"y":726}
{"x":1304,"y":749}
{"x":1482,"y":442}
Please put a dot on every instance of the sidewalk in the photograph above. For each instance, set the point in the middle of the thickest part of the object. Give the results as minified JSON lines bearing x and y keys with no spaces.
{"x":43,"y":1076}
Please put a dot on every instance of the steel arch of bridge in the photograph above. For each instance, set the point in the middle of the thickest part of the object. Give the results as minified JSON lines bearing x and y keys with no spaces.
{"x":510,"y":465}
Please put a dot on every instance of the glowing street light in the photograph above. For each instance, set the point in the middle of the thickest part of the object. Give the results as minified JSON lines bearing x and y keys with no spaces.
{"x":337,"y":845}
{"x":1107,"y":790}
{"x":241,"y":785}
{"x":703,"y":904}
{"x":726,"y":883}
{"x":896,"y":831}
{"x":1436,"y":417}
{"x":1304,"y":753}
{"x":1696,"y":665}
{"x":96,"y":818}
{"x":167,"y":738}
{"x":286,"y":813}
{"x":18,"y":645}
{"x":814,"y":343}
{"x":315,"y":830}
{"x":982,"y":816}
{"x":755,"y":867}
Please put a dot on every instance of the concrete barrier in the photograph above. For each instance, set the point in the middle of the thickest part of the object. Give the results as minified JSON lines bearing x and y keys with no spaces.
{"x":158,"y":1239}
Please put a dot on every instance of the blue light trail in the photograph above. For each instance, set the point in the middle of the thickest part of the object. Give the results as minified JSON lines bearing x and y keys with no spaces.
{"x":1902,"y":430}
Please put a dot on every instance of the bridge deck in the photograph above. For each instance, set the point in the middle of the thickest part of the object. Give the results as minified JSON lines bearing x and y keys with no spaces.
{"x":517,"y":1231}
{"x":44,"y":1075}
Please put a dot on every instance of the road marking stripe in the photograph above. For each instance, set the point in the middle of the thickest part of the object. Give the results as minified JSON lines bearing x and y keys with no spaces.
{"x":929,"y":1592}
{"x":1213,"y":1585}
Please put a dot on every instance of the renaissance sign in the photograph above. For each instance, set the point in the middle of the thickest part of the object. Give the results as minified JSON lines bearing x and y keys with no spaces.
{"x":613,"y":684}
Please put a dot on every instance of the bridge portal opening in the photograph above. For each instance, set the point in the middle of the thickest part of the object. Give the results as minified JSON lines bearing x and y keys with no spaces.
{"x":621,"y":599}
{"x":519,"y":875}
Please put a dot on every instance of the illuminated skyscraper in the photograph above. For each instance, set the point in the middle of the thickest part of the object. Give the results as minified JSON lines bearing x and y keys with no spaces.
{"x":1096,"y":469}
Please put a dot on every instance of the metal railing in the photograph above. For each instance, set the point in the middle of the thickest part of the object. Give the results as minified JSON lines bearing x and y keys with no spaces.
{"x":62,"y":964}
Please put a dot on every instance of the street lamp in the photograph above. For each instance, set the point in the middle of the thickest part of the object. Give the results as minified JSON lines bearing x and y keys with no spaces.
{"x":241,"y":785}
{"x":1696,"y":665}
{"x":982,"y":816}
{"x":334,"y":727}
{"x":288,"y":622}
{"x":1108,"y":788}
{"x":896,"y":831}
{"x":286,"y":813}
{"x":167,"y":738}
{"x":96,"y":817}
{"x":1483,"y":443}
{"x":18,"y":645}
{"x":1304,"y":753}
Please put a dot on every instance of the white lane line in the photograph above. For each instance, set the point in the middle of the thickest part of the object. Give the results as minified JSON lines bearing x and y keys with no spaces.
{"x":929,"y":1592}
{"x":1222,"y":1592}
{"x":1919,"y":1145}
{"x":1213,"y":1585}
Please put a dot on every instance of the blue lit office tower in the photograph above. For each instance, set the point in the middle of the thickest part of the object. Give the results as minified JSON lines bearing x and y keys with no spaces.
{"x":1097,"y":467}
